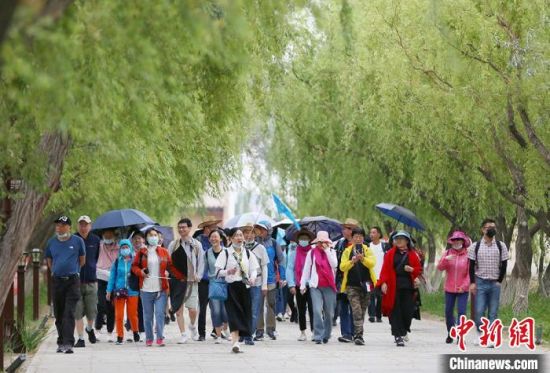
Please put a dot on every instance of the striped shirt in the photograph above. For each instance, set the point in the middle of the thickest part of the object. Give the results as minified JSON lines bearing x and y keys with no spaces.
{"x":488,"y":263}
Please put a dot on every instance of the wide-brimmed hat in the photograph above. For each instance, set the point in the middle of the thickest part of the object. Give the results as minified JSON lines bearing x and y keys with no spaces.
{"x":322,"y":236}
{"x":405,"y":234}
{"x":247,"y":227}
{"x":304,"y":232}
{"x":459,"y":235}
{"x":208,"y":221}
{"x":350,"y":223}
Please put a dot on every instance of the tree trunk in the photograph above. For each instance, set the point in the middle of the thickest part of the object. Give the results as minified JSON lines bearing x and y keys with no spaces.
{"x":516,"y":289}
{"x":540,"y":268}
{"x":28,"y":210}
{"x":431,"y":248}
{"x":546,"y":282}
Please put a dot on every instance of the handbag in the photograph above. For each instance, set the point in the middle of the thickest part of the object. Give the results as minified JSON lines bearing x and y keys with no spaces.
{"x":217,"y":288}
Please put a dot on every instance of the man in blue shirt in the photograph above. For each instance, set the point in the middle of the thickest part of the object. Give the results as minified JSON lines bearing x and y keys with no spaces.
{"x":87,"y":305}
{"x":65,"y":255}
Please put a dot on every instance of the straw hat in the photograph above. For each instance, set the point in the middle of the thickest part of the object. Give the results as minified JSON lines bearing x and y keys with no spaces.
{"x":350,"y":223}
{"x":208,"y":221}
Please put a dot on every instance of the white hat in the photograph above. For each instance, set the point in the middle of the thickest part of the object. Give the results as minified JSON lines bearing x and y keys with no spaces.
{"x":85,"y":218}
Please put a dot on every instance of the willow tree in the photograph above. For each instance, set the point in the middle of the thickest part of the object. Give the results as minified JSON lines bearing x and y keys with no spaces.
{"x":103,"y":105}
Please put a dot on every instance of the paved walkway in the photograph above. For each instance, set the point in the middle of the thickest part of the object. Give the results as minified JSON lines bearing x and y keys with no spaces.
{"x":285,"y":354}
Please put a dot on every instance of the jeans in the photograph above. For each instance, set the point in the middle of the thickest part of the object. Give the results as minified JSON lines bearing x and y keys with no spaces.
{"x":154,"y":305}
{"x":203,"y":304}
{"x":217,"y":312}
{"x":66,"y":294}
{"x":346,"y":319}
{"x":324,"y":300}
{"x":256,"y":301}
{"x":282,"y":296}
{"x":487,"y":299}
{"x":450,"y":300}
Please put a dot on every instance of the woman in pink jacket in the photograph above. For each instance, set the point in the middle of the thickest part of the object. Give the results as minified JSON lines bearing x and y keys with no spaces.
{"x":455,"y":262}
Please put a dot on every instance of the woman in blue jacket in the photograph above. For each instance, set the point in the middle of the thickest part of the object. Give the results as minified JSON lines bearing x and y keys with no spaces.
{"x":123,"y":287}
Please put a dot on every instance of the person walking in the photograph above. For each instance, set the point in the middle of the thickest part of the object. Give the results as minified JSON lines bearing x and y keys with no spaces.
{"x":217,"y":306}
{"x":294,"y":271}
{"x":123,"y":291}
{"x":108,"y":253}
{"x":239,"y":268}
{"x":319,"y":269}
{"x":65,"y":255}
{"x":379,"y":249}
{"x":87,"y":305}
{"x":188,"y":260}
{"x":456,"y":264}
{"x":400,"y":269}
{"x":488,"y":262}
{"x":359,"y":279}
{"x":151,"y":265}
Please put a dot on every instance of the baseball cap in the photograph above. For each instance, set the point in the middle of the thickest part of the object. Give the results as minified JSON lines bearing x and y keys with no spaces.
{"x":85,"y":218}
{"x":63,"y":219}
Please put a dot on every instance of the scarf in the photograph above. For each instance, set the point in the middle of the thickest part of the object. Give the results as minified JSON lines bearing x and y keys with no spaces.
{"x":301,"y":254}
{"x":239,"y":258}
{"x":324,"y":270}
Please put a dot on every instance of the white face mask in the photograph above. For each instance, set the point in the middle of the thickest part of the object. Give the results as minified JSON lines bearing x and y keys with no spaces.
{"x":107,"y":241}
{"x":237,"y":245}
{"x":62,"y":235}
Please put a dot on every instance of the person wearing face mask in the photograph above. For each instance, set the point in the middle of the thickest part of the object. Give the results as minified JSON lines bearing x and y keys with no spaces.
{"x":65,"y":255}
{"x":488,"y":263}
{"x":456,"y":263}
{"x":258,"y":290}
{"x":108,"y":253}
{"x":151,"y":265}
{"x":138,"y":242}
{"x":123,"y":288}
{"x":294,"y":270}
{"x":400,"y":269}
{"x":239,"y":267}
{"x":319,"y":270}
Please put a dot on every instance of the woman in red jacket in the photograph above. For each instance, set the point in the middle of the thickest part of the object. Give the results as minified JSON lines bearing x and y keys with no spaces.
{"x":400,"y":268}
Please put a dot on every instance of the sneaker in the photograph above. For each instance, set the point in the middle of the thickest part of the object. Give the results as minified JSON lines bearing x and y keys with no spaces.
{"x":371,"y":319}
{"x":194,"y":333}
{"x":302,"y":337}
{"x":280,"y":317}
{"x":160,"y":342}
{"x":325,"y":341}
{"x":345,"y":339}
{"x":69,"y":350}
{"x":378,"y":319}
{"x":149,"y":343}
{"x":172,"y":315}
{"x":236,"y":348}
{"x":91,"y":336}
{"x":359,"y":341}
{"x":272,"y":335}
{"x":136,"y":337}
{"x":183,"y":339}
{"x":218,"y":340}
{"x":60,"y":349}
{"x":318,"y":342}
{"x":248,"y":341}
{"x":110,"y":338}
{"x":214,"y":335}
{"x":225,"y":335}
{"x":141,"y":337}
{"x":80,"y":343}
{"x":259,"y":336}
{"x":449,"y":340}
{"x":399,"y":342}
{"x":119,"y":341}
{"x":201,"y":338}
{"x":166,"y":319}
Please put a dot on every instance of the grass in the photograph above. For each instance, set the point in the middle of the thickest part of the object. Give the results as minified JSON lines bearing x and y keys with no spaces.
{"x":434,"y":304}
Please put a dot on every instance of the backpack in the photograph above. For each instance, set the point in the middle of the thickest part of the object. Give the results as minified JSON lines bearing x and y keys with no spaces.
{"x":499,"y":245}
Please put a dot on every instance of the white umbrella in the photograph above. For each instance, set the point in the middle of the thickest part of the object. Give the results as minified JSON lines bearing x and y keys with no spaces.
{"x":249,"y":217}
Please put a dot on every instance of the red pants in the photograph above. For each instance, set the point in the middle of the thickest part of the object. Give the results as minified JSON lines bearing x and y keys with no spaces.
{"x":132,"y":305}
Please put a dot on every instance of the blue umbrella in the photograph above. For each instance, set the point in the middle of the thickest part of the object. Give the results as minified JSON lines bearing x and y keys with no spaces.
{"x":401,"y":214}
{"x":315,"y":224}
{"x":121,"y":218}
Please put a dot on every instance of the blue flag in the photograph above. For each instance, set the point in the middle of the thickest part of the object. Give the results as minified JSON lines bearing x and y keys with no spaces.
{"x":284,"y":210}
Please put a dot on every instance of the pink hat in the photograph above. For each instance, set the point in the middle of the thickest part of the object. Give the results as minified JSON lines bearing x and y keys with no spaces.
{"x":322,"y":236}
{"x":459,"y":235}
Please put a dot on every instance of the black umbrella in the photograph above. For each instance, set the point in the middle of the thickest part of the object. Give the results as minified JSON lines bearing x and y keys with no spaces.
{"x":315,"y":224}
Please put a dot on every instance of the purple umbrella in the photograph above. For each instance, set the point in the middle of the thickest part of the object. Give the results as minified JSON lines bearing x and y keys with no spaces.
{"x":315,"y":224}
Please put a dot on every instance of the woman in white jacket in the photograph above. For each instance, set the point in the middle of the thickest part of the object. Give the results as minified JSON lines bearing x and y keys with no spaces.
{"x":239,"y":267}
{"x":319,"y":270}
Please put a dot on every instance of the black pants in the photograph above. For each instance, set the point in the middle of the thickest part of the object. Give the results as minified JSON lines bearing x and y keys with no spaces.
{"x":303,"y":302}
{"x":402,"y":313}
{"x":291,"y":304}
{"x":203,"y":304}
{"x":140,"y":316}
{"x":238,"y":308}
{"x":104,"y":308}
{"x":66,"y":294}
{"x":375,"y":304}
